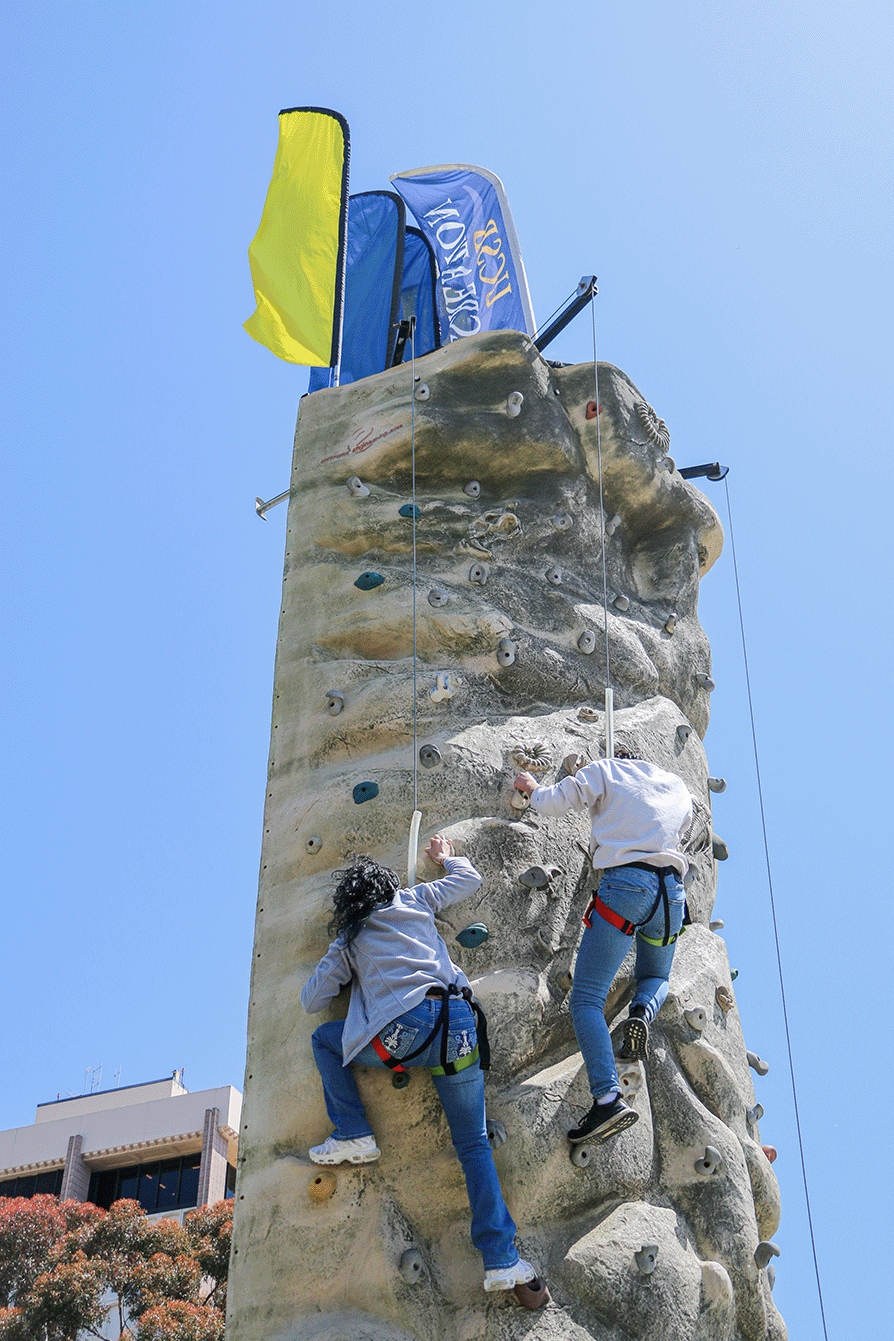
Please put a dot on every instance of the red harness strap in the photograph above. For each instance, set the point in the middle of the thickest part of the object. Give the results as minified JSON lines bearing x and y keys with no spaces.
{"x":597,"y":906}
{"x":380,"y":1049}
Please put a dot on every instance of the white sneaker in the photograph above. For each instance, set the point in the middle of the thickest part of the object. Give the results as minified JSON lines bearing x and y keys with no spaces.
{"x":363,"y":1150}
{"x":506,"y":1278}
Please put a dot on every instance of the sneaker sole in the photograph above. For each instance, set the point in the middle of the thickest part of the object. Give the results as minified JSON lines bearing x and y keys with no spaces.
{"x":636,"y":1041}
{"x":606,"y":1129}
{"x":368,"y":1158}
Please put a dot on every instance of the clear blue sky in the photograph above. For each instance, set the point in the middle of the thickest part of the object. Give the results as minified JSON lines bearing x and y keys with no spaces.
{"x":725,"y":170}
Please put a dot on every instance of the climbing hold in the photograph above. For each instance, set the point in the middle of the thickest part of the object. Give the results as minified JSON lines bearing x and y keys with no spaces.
{"x":534,"y":756}
{"x":535,"y":877}
{"x":514,"y":403}
{"x":716,"y":925}
{"x":572,"y":762}
{"x":565,"y":980}
{"x":366,"y":581}
{"x":563,"y":521}
{"x":478,"y":573}
{"x":705,"y":682}
{"x":400,"y":1079}
{"x":438,"y":596}
{"x":621,"y":602}
{"x":335,"y":702}
{"x":429,"y":756}
{"x":670,"y":623}
{"x":771,"y":1277}
{"x":630,"y":1078}
{"x":474,"y":935}
{"x":711,"y":1163}
{"x":689,"y":878}
{"x":588,"y":714}
{"x":755,"y":1114}
{"x":445,"y":687}
{"x":554,"y":577}
{"x":322,"y":1186}
{"x":496,"y":1133}
{"x":646,"y":1258}
{"x":666,"y":465}
{"x":734,"y":973}
{"x":763,"y":1255}
{"x":422,"y":392}
{"x":506,"y":650}
{"x":593,"y":409}
{"x":716,"y":784}
{"x":580,"y":1156}
{"x":519,"y":800}
{"x":757,"y":1064}
{"x":724,"y":998}
{"x":473,"y":489}
{"x":770,"y":1152}
{"x":612,"y":524}
{"x":410,"y":1265}
{"x":543,"y":940}
{"x":696,"y":1017}
{"x":313,"y":844}
{"x":719,"y":848}
{"x":409,"y":510}
{"x":683,"y":733}
{"x":356,"y":487}
{"x":587,"y":642}
{"x":365,"y":791}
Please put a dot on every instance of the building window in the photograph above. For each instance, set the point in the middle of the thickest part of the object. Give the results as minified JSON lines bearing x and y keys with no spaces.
{"x":33,"y":1184}
{"x":162,"y":1185}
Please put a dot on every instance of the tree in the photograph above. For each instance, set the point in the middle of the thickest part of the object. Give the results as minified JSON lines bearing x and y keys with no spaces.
{"x":65,"y":1266}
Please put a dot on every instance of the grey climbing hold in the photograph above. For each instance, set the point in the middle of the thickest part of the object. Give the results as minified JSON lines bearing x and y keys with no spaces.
{"x":537,"y":877}
{"x":514,"y":402}
{"x":564,"y":980}
{"x":771,"y":1277}
{"x":473,"y":489}
{"x":573,"y":762}
{"x":755,"y":1114}
{"x":472,"y":936}
{"x":757,"y":1064}
{"x":366,"y":581}
{"x":365,"y":791}
{"x":506,"y":650}
{"x":764,"y":1254}
{"x":335,"y":702}
{"x":479,"y":573}
{"x":716,"y":784}
{"x":519,"y":800}
{"x":313,"y":843}
{"x":496,"y":1133}
{"x":400,"y":1079}
{"x":711,"y":1163}
{"x":716,"y":925}
{"x":563,"y":521}
{"x":410,"y":1265}
{"x":580,"y":1156}
{"x":705,"y":682}
{"x":356,"y":487}
{"x":422,"y":391}
{"x":719,"y":848}
{"x":696,"y":1017}
{"x":612,"y":524}
{"x":670,"y":623}
{"x":621,"y":602}
{"x":724,"y":998}
{"x":445,"y":687}
{"x":646,"y":1258}
{"x":683,"y":733}
{"x":689,"y":878}
{"x":429,"y":756}
{"x":409,"y":510}
{"x":667,"y":465}
{"x":554,"y":577}
{"x":438,"y":596}
{"x":587,"y":642}
{"x":543,"y":940}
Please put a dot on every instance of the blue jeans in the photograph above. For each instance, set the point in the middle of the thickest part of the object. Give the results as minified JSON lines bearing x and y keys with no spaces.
{"x":462,"y":1098}
{"x":631,"y":892}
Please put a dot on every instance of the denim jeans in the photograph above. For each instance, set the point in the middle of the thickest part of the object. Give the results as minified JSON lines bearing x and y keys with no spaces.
{"x":462,"y":1098}
{"x":630,"y":891}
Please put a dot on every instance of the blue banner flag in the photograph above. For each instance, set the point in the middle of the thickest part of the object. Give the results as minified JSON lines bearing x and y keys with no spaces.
{"x":464,"y":212}
{"x":373,"y":282}
{"x":418,"y":293}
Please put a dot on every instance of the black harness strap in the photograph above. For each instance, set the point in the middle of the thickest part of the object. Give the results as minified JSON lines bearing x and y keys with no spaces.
{"x":442,"y":1025}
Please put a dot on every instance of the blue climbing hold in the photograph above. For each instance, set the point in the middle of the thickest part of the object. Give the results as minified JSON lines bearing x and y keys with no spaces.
{"x":474,"y":935}
{"x":409,"y":510}
{"x":366,"y":581}
{"x":365,"y":791}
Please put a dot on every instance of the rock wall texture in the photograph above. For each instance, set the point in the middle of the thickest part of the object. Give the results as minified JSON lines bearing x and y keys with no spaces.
{"x":656,"y":1234}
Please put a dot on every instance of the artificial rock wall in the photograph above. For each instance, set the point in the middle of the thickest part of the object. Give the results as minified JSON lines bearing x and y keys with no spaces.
{"x":655,"y":1234}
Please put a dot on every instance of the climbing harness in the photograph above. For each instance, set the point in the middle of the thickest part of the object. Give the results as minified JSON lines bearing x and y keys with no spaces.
{"x":480,"y":1053}
{"x":596,"y":905}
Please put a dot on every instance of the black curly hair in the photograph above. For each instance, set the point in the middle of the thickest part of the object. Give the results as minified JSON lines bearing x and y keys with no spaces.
{"x":361,"y":888}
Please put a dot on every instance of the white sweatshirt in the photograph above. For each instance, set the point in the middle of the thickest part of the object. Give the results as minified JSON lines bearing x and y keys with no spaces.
{"x":638,"y":811}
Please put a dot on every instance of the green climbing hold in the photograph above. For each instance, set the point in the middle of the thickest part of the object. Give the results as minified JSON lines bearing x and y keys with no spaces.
{"x":365,"y":791}
{"x":400,"y":1079}
{"x":474,"y":935}
{"x":366,"y":581}
{"x":409,"y":510}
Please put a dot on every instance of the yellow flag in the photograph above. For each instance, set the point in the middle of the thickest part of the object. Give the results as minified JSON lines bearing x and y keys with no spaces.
{"x":298,"y":255}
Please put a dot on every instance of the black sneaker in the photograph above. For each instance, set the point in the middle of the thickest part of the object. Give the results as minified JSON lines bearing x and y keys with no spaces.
{"x":636,"y":1039}
{"x":604,"y":1120}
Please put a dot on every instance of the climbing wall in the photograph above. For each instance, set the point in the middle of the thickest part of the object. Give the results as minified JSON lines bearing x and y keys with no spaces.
{"x":665,"y":1231}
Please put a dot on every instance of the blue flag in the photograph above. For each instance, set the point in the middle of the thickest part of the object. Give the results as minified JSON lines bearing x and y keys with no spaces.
{"x":418,"y":294}
{"x":373,"y":279}
{"x":464,"y":212}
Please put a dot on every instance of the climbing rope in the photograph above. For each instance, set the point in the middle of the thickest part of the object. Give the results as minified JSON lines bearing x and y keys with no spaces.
{"x":760,"y":794}
{"x":609,"y":693}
